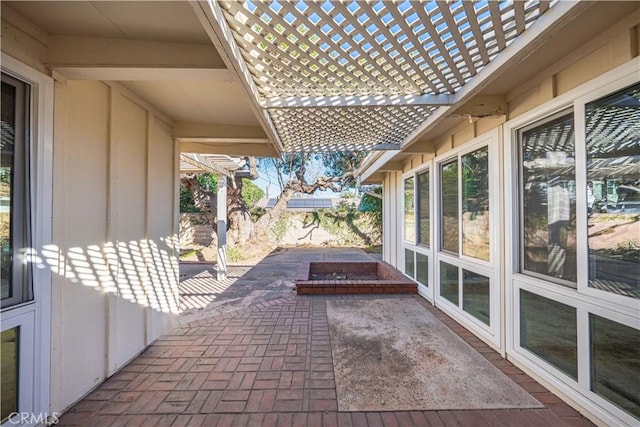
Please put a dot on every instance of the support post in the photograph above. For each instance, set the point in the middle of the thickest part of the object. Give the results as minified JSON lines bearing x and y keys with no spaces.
{"x":221,"y":267}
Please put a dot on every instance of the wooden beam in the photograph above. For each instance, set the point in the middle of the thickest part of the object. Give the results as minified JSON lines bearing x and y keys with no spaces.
{"x":483,"y":106}
{"x":422,"y":146}
{"x":355,"y":101}
{"x":391,"y":166}
{"x":231,"y":149}
{"x":144,"y":74}
{"x":204,"y":131}
{"x":66,"y":51}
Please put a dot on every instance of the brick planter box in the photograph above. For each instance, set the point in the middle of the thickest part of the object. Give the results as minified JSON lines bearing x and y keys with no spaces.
{"x":343,"y":278}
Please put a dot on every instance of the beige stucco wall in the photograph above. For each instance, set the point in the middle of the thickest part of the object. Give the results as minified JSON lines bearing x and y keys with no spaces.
{"x":114,"y":221}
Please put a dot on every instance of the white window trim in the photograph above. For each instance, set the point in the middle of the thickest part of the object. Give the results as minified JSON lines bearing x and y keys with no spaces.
{"x":491,"y":334}
{"x":42,"y":95}
{"x":425,"y":290}
{"x":619,"y":308}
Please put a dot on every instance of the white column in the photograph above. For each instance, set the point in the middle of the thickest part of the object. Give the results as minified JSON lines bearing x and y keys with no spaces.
{"x":221,"y":268}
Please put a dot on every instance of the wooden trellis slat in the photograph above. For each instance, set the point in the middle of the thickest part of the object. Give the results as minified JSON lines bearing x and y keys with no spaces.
{"x":327,"y":52}
{"x":472,"y":18}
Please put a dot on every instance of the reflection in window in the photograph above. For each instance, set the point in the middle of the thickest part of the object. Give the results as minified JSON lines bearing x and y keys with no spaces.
{"x":449,"y":204}
{"x":613,"y":192}
{"x":475,"y":204}
{"x":548,"y":329}
{"x":9,"y":373}
{"x":423,"y":208}
{"x":422,"y":268}
{"x":409,"y":211}
{"x":615,"y":363}
{"x":548,"y":199}
{"x":409,"y":263}
{"x":449,"y":282}
{"x":475,"y":295}
{"x":15,"y":273}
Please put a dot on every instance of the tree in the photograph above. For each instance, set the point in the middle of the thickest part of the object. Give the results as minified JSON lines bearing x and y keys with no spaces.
{"x":297,"y":173}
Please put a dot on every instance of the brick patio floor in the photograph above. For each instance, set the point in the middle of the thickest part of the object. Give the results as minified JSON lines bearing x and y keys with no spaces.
{"x":270,"y":364}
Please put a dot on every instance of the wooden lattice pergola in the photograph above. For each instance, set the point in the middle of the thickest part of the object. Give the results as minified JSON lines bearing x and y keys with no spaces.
{"x":362,"y":75}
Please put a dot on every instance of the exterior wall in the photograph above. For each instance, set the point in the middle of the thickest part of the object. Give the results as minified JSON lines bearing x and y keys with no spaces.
{"x":115,"y":227}
{"x":603,"y":54}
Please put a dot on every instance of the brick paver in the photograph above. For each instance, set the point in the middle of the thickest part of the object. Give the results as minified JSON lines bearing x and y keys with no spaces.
{"x":270,"y":364}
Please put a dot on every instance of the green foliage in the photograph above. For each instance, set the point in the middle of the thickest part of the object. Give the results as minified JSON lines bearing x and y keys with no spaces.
{"x":256,"y":213}
{"x":338,"y":163}
{"x":251,"y":193}
{"x":234,"y":254}
{"x":208,"y":181}
{"x":372,"y":206}
{"x":186,"y":201}
{"x":279,"y":228}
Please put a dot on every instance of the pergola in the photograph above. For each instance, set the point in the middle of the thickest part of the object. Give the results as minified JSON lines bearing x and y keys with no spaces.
{"x":372,"y":75}
{"x":223,"y":167}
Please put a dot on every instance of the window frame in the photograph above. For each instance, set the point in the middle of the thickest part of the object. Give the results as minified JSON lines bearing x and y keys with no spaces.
{"x":424,"y":289}
{"x":492,"y":333}
{"x":21,"y":227}
{"x":37,"y":311}
{"x":520,"y":196}
{"x":618,"y":308}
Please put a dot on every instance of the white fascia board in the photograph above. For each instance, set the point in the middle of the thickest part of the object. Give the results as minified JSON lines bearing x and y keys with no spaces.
{"x":377,"y":164}
{"x":543,"y":29}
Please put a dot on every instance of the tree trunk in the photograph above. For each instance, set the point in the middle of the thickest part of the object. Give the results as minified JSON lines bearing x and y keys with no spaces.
{"x":263,"y":225}
{"x":202,"y":199}
{"x":240,"y":225}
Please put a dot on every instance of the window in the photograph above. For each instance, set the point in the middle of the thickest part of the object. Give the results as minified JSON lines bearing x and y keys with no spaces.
{"x":15,"y":273}
{"x":475,"y":296}
{"x":613,"y":192}
{"x":615,"y":363}
{"x":409,"y":211}
{"x":449,"y":282}
{"x":549,"y":329}
{"x":424,"y":234}
{"x":548,"y":199}
{"x":409,"y":263}
{"x":9,"y":373}
{"x":422,"y":268}
{"x":475,"y":204}
{"x":449,"y":207}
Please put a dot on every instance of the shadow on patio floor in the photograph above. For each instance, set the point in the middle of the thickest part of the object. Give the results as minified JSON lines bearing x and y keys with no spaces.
{"x":269,"y":362}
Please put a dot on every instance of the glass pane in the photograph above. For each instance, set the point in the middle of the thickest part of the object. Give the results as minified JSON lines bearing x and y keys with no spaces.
{"x":423,"y":209}
{"x":409,"y":263}
{"x":449,"y":221}
{"x":8,"y":373}
{"x":449,"y":282}
{"x":548,"y":329}
{"x":422,"y":268}
{"x":409,"y":211}
{"x":548,"y":191}
{"x":475,"y":204}
{"x":615,"y":363}
{"x":475,"y":296}
{"x":6,"y":174}
{"x":613,"y":192}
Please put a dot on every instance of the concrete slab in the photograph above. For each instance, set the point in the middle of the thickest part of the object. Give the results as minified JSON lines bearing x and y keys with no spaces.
{"x":392,"y":354}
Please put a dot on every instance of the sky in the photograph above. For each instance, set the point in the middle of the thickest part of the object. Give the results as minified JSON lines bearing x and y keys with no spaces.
{"x":268,"y":181}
